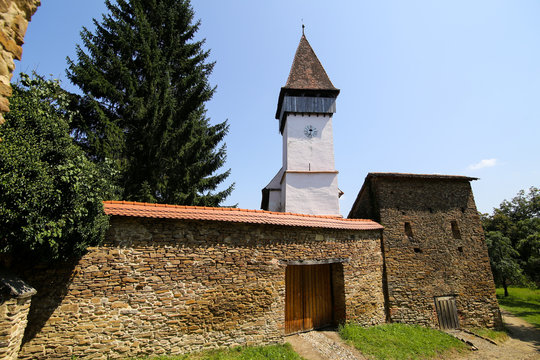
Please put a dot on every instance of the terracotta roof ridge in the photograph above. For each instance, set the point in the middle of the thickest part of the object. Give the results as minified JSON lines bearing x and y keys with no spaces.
{"x":357,"y":220}
{"x":146,"y":204}
{"x":235,"y":215}
{"x":240,"y":210}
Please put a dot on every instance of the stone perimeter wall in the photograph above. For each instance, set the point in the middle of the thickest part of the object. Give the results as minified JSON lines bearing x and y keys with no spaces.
{"x":13,"y":313}
{"x":171,"y":286}
{"x":436,"y":260}
{"x":14,"y":18}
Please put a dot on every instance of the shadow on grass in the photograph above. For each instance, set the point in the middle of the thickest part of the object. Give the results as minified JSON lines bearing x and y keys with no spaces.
{"x":513,"y":302}
{"x":529,"y":310}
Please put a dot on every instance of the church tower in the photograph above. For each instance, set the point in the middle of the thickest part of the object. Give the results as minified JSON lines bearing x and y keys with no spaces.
{"x":307,"y":181}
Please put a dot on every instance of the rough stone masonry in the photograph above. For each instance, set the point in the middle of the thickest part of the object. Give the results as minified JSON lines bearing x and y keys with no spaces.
{"x":14,"y":18}
{"x":162,"y":286}
{"x":433,"y":246}
{"x":15,"y":297}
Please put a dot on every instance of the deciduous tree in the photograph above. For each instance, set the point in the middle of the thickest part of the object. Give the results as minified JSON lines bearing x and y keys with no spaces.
{"x":503,"y":259}
{"x":518,"y":220}
{"x":50,"y":193}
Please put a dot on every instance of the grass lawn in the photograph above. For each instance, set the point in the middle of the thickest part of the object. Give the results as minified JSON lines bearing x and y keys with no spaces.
{"x":495,"y":335}
{"x":278,"y":352}
{"x":522,"y":302}
{"x":399,"y":341}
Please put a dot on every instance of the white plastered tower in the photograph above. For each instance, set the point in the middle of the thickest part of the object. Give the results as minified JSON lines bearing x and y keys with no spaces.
{"x":307,"y":182}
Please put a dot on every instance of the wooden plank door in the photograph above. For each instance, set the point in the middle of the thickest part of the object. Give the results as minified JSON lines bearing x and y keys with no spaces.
{"x":447,"y":312}
{"x":294,"y":312}
{"x":308,"y":297}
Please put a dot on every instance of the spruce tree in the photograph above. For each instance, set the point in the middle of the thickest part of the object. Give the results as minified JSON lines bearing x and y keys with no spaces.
{"x":145,"y":81}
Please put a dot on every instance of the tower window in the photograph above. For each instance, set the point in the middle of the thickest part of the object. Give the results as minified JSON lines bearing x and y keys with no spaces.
{"x":455,"y":230}
{"x":408,"y":230}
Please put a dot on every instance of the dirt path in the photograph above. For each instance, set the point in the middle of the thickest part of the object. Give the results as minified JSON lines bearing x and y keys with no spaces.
{"x":322,"y":345}
{"x":523,"y":344}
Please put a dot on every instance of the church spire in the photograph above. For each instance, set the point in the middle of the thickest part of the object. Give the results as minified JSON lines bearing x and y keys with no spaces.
{"x":307,"y":72}
{"x":307,"y":78}
{"x":307,"y":181}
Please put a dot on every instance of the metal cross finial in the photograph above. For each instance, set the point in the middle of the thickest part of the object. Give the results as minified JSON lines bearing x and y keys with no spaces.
{"x":303,"y":26}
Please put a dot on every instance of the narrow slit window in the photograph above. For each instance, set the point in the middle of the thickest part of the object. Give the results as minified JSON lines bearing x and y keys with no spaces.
{"x":455,"y":230}
{"x":408,"y":230}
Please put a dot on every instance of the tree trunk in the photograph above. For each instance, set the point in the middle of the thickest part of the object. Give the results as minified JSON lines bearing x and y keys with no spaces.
{"x":505,"y":287}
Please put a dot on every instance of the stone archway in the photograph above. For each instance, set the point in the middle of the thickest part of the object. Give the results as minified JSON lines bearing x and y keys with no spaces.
{"x":14,"y":18}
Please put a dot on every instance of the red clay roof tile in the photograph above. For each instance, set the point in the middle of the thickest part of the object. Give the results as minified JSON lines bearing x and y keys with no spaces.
{"x":162,"y":211}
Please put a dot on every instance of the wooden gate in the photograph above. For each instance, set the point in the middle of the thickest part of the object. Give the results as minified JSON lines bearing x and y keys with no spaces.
{"x":447,"y":312}
{"x":308,"y":297}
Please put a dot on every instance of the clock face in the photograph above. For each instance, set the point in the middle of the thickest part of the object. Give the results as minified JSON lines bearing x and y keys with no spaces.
{"x":310,"y":131}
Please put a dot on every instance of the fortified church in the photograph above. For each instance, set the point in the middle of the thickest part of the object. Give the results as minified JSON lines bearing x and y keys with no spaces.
{"x":436,"y":267}
{"x":176,"y":279}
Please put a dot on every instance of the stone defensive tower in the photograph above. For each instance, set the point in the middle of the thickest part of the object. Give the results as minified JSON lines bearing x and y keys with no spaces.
{"x":307,"y":181}
{"x":436,"y":264}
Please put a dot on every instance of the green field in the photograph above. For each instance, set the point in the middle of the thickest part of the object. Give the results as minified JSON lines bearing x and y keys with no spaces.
{"x":522,"y":302}
{"x":495,"y":335}
{"x":399,"y":341}
{"x":270,"y":352}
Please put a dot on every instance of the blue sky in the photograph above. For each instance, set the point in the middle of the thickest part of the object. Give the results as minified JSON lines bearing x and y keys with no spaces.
{"x":448,"y":87}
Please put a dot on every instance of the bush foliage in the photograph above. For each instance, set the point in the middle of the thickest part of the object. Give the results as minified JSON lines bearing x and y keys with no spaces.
{"x":50,"y":193}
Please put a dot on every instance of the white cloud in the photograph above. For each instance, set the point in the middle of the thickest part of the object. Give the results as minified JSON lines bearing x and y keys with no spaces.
{"x":483,"y":164}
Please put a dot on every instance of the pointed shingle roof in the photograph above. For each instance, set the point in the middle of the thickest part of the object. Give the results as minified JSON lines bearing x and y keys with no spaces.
{"x":307,"y":72}
{"x":306,"y":78}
